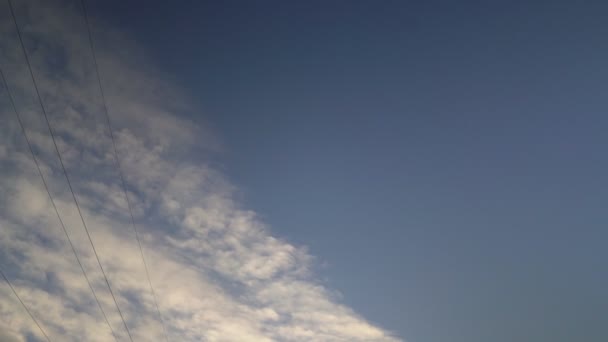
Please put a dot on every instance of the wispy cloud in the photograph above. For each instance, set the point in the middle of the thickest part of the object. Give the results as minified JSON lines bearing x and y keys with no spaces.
{"x":218,"y":272}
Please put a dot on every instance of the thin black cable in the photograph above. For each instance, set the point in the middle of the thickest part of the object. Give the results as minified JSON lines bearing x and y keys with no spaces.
{"x":118,"y":166}
{"x":24,"y":306}
{"x":64,"y":169}
{"x":29,"y":145}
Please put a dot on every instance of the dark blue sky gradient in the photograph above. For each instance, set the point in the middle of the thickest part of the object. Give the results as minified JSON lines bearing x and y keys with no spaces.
{"x":446,"y":159}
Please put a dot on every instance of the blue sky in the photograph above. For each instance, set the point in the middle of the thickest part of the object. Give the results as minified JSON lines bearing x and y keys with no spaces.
{"x":445,"y":159}
{"x":443,"y":162}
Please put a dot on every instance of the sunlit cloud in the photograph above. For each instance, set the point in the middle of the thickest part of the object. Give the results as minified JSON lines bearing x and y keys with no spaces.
{"x":218,"y":271}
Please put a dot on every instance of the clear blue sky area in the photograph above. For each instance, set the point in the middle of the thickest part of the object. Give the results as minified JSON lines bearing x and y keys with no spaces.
{"x":447,"y":160}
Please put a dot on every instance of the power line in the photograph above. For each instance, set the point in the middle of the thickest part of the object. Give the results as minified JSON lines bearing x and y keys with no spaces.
{"x":29,"y":145}
{"x":64,"y":168}
{"x":24,"y":306}
{"x":118,"y":166}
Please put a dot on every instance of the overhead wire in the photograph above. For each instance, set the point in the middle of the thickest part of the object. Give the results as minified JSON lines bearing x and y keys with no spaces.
{"x":46,"y":187}
{"x":118,"y":165}
{"x":24,"y":306}
{"x":65,"y":170}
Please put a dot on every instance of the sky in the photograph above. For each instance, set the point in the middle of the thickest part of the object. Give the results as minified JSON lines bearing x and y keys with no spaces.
{"x":316,"y":171}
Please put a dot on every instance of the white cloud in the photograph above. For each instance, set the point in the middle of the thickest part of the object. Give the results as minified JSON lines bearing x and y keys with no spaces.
{"x":218,"y":273}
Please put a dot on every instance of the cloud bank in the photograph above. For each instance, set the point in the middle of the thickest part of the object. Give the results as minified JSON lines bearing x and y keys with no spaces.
{"x":218,"y":272}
